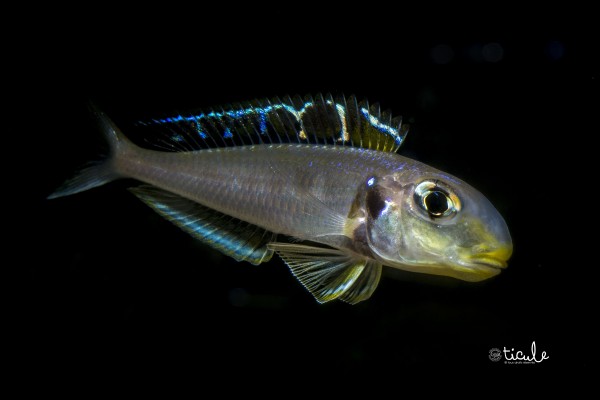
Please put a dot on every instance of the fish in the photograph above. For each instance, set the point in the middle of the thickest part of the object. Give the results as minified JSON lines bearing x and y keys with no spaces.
{"x":314,"y":179}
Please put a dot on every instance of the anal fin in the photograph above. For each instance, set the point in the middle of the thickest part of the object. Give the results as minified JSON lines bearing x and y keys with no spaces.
{"x":330,"y":274}
{"x":231,"y":236}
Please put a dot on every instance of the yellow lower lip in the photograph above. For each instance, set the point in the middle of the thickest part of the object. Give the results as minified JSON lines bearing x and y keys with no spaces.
{"x":496,"y":258}
{"x":490,"y":262}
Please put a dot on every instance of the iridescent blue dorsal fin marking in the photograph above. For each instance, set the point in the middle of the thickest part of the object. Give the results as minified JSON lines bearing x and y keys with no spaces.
{"x":235,"y":238}
{"x":321,"y":119}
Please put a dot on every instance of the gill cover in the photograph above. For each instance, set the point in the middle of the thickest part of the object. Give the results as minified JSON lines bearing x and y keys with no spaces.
{"x":383,"y":217}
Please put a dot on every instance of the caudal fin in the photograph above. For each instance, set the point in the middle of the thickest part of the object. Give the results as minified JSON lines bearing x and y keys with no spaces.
{"x":101,"y":172}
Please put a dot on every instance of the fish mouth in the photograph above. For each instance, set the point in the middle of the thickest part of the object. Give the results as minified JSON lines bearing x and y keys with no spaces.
{"x":483,"y":265}
{"x":488,"y":261}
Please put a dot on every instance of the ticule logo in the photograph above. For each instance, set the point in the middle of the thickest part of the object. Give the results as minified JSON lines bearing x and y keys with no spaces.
{"x":495,"y":354}
{"x":518,"y":357}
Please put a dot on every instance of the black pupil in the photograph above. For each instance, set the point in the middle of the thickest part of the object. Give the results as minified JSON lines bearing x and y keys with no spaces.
{"x":436,"y":203}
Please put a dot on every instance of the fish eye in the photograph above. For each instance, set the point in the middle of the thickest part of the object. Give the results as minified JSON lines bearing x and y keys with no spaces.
{"x":436,"y":200}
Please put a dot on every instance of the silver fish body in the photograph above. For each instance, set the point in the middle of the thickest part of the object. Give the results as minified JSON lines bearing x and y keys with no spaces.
{"x":335,"y":213}
{"x":303,"y":191}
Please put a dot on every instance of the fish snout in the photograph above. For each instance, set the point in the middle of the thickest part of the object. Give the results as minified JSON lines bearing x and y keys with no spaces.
{"x":496,"y":247}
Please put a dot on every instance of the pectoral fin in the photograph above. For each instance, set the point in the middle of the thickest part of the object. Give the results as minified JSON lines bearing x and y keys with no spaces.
{"x":330,"y":274}
{"x":235,"y":238}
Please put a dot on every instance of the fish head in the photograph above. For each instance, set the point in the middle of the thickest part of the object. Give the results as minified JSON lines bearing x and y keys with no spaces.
{"x":435,"y":224}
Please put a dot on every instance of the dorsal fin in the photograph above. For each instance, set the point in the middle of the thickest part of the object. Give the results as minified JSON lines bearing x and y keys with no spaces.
{"x":320,"y":119}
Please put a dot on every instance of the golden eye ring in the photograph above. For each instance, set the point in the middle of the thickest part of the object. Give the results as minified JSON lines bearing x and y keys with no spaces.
{"x":436,"y":199}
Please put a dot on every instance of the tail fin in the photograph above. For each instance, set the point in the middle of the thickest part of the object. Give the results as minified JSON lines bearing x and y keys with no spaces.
{"x":99,"y":173}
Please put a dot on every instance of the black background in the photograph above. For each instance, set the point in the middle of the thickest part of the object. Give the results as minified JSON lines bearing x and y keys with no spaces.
{"x":111,"y":288}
